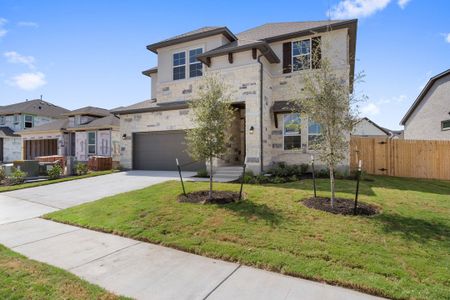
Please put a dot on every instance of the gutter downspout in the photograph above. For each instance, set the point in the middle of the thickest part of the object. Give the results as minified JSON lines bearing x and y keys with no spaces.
{"x":261,"y":106}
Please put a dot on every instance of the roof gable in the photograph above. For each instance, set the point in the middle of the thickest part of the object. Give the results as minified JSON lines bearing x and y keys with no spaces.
{"x":34,"y":107}
{"x":422,"y":95}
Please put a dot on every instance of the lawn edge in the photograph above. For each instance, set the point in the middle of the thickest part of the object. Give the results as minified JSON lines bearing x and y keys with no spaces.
{"x":358,"y":288}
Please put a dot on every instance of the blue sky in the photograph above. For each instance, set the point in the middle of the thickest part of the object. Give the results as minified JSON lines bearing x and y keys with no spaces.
{"x":78,"y":53}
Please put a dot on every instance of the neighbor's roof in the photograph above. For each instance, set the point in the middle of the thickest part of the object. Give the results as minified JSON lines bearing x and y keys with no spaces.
{"x":89,"y":110}
{"x":33,"y":107}
{"x":56,"y":125}
{"x":193,"y":35}
{"x":7,"y":132}
{"x":150,"y":71}
{"x":385,"y":130}
{"x":422,"y":94}
{"x":100,"y":123}
{"x":150,"y":106}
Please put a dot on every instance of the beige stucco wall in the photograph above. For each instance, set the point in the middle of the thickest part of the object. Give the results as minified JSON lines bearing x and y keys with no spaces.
{"x":425,"y":122}
{"x":365,"y":128}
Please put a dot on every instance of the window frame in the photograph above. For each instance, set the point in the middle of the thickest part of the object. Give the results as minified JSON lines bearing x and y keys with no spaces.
{"x":313,"y":134}
{"x":194,"y":63}
{"x":187,"y":63}
{"x":297,"y":134}
{"x":25,"y":121}
{"x":89,"y":144}
{"x":2,"y":120}
{"x":178,"y":66}
{"x":299,"y":55}
{"x":442,"y":125}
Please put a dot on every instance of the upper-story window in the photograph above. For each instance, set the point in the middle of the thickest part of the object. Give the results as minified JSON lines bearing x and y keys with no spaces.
{"x":301,"y":55}
{"x":445,"y":125}
{"x":28,"y":121}
{"x":179,"y":65}
{"x":182,"y":69}
{"x":195,"y":66}
{"x":2,"y":120}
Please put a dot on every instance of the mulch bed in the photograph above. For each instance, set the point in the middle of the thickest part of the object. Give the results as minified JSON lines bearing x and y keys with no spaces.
{"x":341,"y":206}
{"x":218,"y":197}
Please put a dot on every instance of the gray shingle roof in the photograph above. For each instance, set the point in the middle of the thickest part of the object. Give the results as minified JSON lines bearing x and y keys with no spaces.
{"x":89,"y":110}
{"x":56,"y":125}
{"x":150,"y":71}
{"x":151,"y":105}
{"x":34,"y":107}
{"x":270,"y":30}
{"x":7,"y":132}
{"x":105,"y":122}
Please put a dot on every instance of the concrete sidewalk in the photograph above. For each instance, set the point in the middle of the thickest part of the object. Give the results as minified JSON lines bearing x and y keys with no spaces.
{"x":136,"y":269}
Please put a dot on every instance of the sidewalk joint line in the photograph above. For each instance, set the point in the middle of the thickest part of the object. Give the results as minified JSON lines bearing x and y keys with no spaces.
{"x":220,"y":283}
{"x":46,"y":238}
{"x":98,"y":258}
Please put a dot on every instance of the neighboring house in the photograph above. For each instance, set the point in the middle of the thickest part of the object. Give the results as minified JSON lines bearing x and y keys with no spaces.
{"x":81,"y":133}
{"x":429,"y":116}
{"x":259,"y":65}
{"x":19,"y":116}
{"x":368,"y":128}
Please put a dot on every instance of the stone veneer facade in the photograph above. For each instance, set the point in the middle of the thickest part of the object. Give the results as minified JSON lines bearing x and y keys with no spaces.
{"x":243,"y":78}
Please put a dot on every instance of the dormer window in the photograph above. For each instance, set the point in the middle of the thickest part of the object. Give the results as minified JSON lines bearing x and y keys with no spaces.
{"x":28,"y":121}
{"x":195,"y":66}
{"x":179,"y":65}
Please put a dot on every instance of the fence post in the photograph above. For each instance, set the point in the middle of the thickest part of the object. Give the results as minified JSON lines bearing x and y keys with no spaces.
{"x":358,"y":176}
{"x":313,"y":176}
{"x":181,"y":177}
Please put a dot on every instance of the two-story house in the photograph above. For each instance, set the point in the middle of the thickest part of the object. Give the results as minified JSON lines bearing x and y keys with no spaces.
{"x":82,"y":133}
{"x":260,"y":66}
{"x":19,"y":116}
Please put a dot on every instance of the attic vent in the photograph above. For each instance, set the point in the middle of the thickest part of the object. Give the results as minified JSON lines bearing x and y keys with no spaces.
{"x":40,"y":107}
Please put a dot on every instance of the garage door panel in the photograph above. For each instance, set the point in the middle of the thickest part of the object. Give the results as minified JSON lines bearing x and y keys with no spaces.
{"x":158,"y":150}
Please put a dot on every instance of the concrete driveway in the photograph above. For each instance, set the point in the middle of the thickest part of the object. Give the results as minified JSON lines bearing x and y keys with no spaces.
{"x":132,"y":268}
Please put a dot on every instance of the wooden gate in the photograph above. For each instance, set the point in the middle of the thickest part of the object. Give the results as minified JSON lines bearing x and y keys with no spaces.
{"x":34,"y":148}
{"x":403,"y":158}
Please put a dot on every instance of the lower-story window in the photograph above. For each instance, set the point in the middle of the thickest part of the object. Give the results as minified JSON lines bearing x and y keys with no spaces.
{"x":292,"y":138}
{"x":91,"y":143}
{"x":314,"y":133}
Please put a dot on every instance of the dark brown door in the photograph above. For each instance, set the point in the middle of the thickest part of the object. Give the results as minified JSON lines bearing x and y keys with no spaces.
{"x":158,"y":151}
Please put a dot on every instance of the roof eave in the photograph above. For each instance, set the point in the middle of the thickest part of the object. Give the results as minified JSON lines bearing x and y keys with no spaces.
{"x":222,"y":30}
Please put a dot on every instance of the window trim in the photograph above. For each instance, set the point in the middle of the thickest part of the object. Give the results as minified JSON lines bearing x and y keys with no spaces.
{"x":297,"y":134}
{"x":183,"y":65}
{"x":292,"y":54}
{"x":442,"y":125}
{"x":187,"y":63}
{"x":25,"y":121}
{"x":95,"y":143}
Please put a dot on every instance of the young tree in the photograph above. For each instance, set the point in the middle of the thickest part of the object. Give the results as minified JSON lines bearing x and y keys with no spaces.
{"x":212,"y":115}
{"x":324,"y":96}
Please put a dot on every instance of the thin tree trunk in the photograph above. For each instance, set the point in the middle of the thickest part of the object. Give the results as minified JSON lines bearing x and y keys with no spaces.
{"x":210,"y":177}
{"x":332,"y":186}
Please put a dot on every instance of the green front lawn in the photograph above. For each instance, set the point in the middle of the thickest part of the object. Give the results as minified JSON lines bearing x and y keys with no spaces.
{"x":402,"y":253}
{"x":46,"y":182}
{"x":22,"y":278}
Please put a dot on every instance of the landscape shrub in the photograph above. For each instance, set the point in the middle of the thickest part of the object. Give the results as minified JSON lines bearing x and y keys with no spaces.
{"x":17,"y":177}
{"x":55,"y":172}
{"x":81,"y":169}
{"x":202,"y":173}
{"x":2,"y":174}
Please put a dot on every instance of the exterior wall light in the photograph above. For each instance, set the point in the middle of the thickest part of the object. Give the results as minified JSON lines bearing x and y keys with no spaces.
{"x":252,"y":129}
{"x":124,"y":136}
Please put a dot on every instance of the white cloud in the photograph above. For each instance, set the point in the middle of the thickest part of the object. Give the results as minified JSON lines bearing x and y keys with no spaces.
{"x":28,"y":81}
{"x":447,"y":37}
{"x":3,"y":31}
{"x":27,"y":24}
{"x":394,"y":99}
{"x":403,"y":3}
{"x":370,"y":109}
{"x":347,"y":9}
{"x":16,"y":58}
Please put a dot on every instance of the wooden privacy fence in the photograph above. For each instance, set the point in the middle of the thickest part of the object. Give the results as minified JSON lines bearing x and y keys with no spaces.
{"x":402,"y":158}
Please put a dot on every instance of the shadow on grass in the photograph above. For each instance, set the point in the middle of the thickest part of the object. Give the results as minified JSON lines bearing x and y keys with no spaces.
{"x":253,"y":211}
{"x":415,"y":229}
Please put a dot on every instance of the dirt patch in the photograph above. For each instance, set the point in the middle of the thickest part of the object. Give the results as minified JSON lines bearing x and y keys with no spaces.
{"x":218,"y":197}
{"x":341,"y":206}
